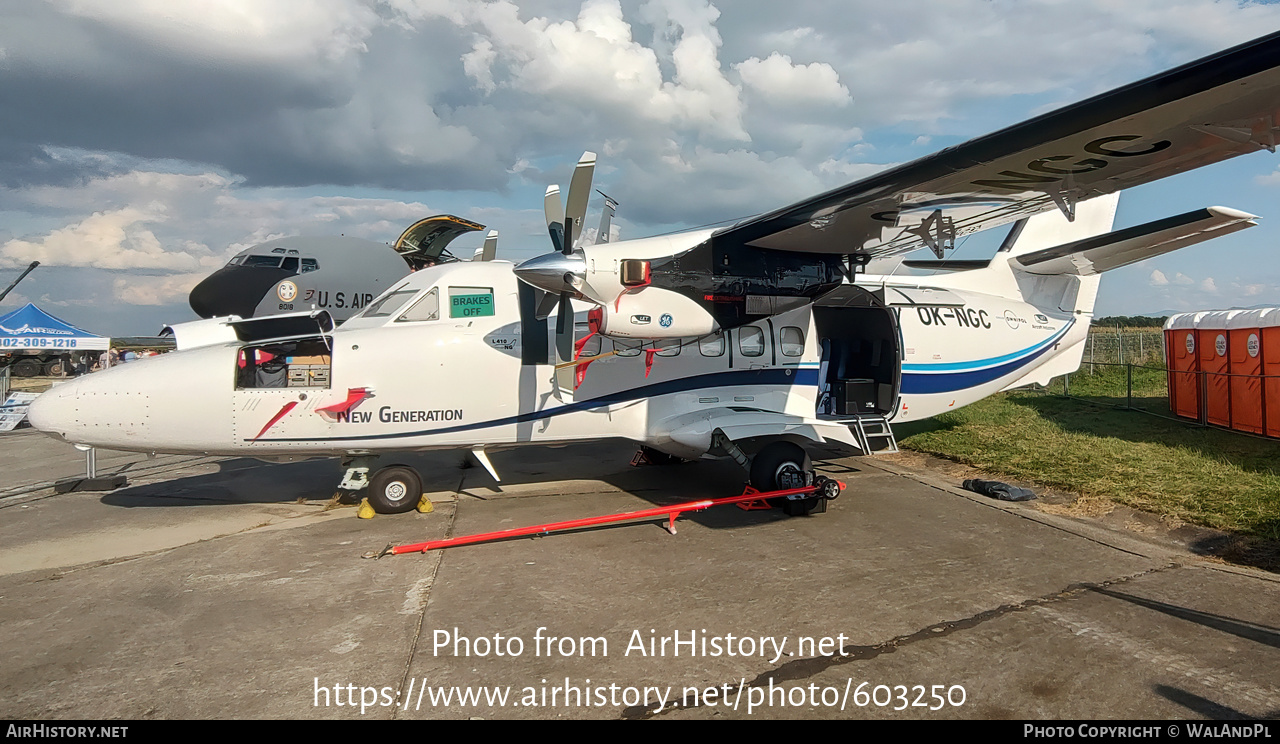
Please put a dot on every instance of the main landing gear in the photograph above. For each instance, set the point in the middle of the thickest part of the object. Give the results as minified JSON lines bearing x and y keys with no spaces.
{"x":393,"y":489}
{"x":781,"y":466}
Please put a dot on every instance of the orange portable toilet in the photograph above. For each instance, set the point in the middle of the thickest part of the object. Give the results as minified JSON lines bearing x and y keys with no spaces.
{"x":1214,"y":346}
{"x":1245,"y":341}
{"x":1182,"y":362}
{"x":1269,"y":337}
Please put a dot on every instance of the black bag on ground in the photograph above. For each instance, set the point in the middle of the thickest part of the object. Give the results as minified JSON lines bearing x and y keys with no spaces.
{"x":998,"y":490}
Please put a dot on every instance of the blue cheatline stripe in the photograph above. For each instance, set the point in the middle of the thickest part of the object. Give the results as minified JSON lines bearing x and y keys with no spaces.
{"x":916,"y":383}
{"x":736,"y":378}
{"x":990,"y":362}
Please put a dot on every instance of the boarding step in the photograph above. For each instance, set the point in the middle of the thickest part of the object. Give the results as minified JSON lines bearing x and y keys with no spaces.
{"x":874,"y":435}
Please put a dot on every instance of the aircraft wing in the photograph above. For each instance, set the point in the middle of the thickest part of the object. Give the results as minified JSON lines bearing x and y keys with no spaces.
{"x":1209,"y":110}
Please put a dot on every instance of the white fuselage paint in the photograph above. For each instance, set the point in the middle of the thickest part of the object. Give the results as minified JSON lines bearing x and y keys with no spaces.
{"x":459,"y":382}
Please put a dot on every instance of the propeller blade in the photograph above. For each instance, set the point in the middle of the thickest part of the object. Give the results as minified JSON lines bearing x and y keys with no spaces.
{"x":564,"y":328}
{"x":606,"y":217}
{"x":546,"y":303}
{"x":576,"y":202}
{"x":564,"y":376}
{"x":553,"y":208}
{"x":489,"y":250}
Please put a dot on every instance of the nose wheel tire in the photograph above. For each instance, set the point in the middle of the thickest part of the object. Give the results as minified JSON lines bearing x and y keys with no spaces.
{"x":395,"y":489}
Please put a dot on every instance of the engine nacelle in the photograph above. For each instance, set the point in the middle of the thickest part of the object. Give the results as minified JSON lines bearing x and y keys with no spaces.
{"x":207,"y":332}
{"x":655,"y":313}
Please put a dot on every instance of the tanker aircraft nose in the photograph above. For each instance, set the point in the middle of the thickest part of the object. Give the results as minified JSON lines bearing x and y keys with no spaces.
{"x":554,"y":272}
{"x":234,"y":290}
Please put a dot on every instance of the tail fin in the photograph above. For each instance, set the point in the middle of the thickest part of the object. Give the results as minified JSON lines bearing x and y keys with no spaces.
{"x":1048,"y":229}
{"x":1074,"y":294}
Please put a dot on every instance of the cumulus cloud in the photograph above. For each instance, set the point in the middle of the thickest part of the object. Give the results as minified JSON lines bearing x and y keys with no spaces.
{"x":780,"y":81}
{"x":118,"y":239}
{"x":154,"y":290}
{"x":1270,"y":179}
{"x":1158,"y":278}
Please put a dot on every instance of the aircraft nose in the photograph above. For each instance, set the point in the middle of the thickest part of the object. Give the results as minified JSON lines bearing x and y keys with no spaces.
{"x":54,"y":412}
{"x":234,"y":290}
{"x":554,"y":272}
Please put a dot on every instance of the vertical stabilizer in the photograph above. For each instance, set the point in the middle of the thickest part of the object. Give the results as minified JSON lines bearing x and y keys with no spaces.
{"x":1065,"y":292}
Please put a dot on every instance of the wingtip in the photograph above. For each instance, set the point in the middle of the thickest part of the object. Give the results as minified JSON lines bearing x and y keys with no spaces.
{"x":1234,"y":214}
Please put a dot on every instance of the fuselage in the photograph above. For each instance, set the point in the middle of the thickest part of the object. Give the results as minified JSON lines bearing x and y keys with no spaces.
{"x":446,"y":359}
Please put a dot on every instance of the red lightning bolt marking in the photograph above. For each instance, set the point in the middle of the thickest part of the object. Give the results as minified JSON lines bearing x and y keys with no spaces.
{"x":287,"y":407}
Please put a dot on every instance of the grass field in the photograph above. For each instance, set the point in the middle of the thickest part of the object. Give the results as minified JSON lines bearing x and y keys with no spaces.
{"x":1202,"y":476}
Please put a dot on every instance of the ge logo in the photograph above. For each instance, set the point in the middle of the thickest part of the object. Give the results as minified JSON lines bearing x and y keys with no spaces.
{"x":287,"y":291}
{"x":665,"y":320}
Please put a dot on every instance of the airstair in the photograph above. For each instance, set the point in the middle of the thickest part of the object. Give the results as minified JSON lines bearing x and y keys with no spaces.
{"x":874,"y":435}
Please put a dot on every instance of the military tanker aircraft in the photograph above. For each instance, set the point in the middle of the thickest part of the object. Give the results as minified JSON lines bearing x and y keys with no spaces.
{"x":748,"y":341}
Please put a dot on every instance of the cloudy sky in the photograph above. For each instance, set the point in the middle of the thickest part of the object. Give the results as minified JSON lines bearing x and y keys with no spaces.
{"x":143,"y":142}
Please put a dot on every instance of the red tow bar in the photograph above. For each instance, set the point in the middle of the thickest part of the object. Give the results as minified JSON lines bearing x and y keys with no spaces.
{"x":671,"y":512}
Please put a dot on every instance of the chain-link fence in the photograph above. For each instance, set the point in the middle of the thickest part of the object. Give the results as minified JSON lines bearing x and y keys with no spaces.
{"x":1125,"y":346}
{"x":1239,"y":403}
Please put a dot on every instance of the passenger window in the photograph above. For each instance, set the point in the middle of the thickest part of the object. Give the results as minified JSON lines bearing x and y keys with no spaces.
{"x":791,"y":341}
{"x":712,"y":346}
{"x":309,"y":264}
{"x":667,"y":348}
{"x":751,"y":341}
{"x":428,"y":308}
{"x":470,"y":302}
{"x":592,"y":346}
{"x":627,"y":347}
{"x":291,"y":264}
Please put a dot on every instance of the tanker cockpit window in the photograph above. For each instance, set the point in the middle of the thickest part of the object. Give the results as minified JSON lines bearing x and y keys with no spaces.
{"x":263,"y":262}
{"x":309,"y":264}
{"x":291,"y":264}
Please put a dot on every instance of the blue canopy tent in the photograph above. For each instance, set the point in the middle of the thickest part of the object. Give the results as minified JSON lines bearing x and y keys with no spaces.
{"x":29,"y":327}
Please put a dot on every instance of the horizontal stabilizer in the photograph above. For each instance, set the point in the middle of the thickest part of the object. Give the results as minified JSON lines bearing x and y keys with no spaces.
{"x":1132,"y":244}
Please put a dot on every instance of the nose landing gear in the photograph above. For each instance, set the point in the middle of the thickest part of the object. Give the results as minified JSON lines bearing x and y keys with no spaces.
{"x":393,"y":489}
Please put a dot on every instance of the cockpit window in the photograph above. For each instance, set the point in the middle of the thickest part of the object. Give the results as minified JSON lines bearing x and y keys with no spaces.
{"x":266,"y":262}
{"x":389,"y":303}
{"x":291,"y":264}
{"x":309,"y":264}
{"x":277,"y":250}
{"x":235,"y":260}
{"x":428,"y":308}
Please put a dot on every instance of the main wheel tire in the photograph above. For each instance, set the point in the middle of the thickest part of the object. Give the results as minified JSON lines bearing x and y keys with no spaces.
{"x":56,"y":368}
{"x":779,"y":466}
{"x":395,"y":489}
{"x":26,"y":368}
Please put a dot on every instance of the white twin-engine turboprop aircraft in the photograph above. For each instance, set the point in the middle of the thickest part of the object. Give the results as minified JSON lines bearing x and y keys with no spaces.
{"x":742,"y":342}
